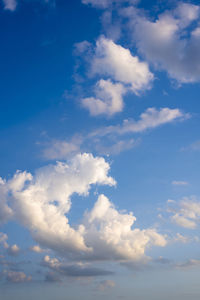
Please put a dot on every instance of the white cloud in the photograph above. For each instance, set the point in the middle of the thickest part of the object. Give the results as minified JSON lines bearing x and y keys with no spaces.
{"x":151,"y":118}
{"x":181,"y":239}
{"x":179,"y":182}
{"x":171,"y":42}
{"x":117,"y":62}
{"x":37,"y":249}
{"x":59,"y":149}
{"x":187,"y":213}
{"x":108,"y":99}
{"x":111,"y":236}
{"x":42,"y":201}
{"x":10,"y":5}
{"x":117,"y":147}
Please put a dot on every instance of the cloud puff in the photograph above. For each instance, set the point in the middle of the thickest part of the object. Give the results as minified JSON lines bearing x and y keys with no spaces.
{"x":13,"y":250}
{"x":108,"y":100}
{"x":117,"y":62}
{"x":111,"y":236}
{"x":37,"y":249}
{"x":10,"y":5}
{"x":187,"y":213}
{"x":151,"y":118}
{"x":171,"y":42}
{"x":16,"y":277}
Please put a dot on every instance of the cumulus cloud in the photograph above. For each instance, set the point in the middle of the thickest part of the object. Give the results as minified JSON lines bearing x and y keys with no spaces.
{"x":151,"y":118}
{"x":108,"y":99}
{"x":186,"y":213}
{"x":118,"y":63}
{"x":171,"y":42}
{"x":10,"y":5}
{"x":110,"y":233}
{"x":42,"y":201}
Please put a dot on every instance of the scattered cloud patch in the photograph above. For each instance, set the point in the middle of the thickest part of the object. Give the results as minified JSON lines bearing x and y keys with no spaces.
{"x":179,"y":182}
{"x":16,"y":277}
{"x":108,"y":100}
{"x":10,"y":5}
{"x":186,"y":213}
{"x":13,"y":250}
{"x":118,"y":63}
{"x":151,"y":118}
{"x":171,"y":42}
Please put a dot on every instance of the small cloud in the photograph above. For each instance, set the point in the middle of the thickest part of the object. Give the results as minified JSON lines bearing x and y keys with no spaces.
{"x":189,"y":264}
{"x":178,"y":182}
{"x":10,"y":5}
{"x":37,"y":249}
{"x":106,"y":284}
{"x":16,"y":277}
{"x":181,"y":239}
{"x":13,"y":250}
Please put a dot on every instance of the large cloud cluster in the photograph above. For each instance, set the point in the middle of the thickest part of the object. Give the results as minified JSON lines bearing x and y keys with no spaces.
{"x":41,"y":203}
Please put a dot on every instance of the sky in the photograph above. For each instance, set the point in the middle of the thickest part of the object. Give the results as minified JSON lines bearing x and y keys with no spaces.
{"x":99,"y":149}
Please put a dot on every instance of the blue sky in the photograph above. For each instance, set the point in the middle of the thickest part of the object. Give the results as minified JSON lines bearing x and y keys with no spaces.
{"x":99,"y":149}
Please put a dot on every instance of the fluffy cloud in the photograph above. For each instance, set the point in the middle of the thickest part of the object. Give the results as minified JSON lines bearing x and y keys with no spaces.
{"x":37,"y":249}
{"x":117,"y":62}
{"x":171,"y":42}
{"x":111,"y":236}
{"x":187,"y":213}
{"x":41,"y":203}
{"x":10,"y":5}
{"x":108,"y":100}
{"x":151,"y":118}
